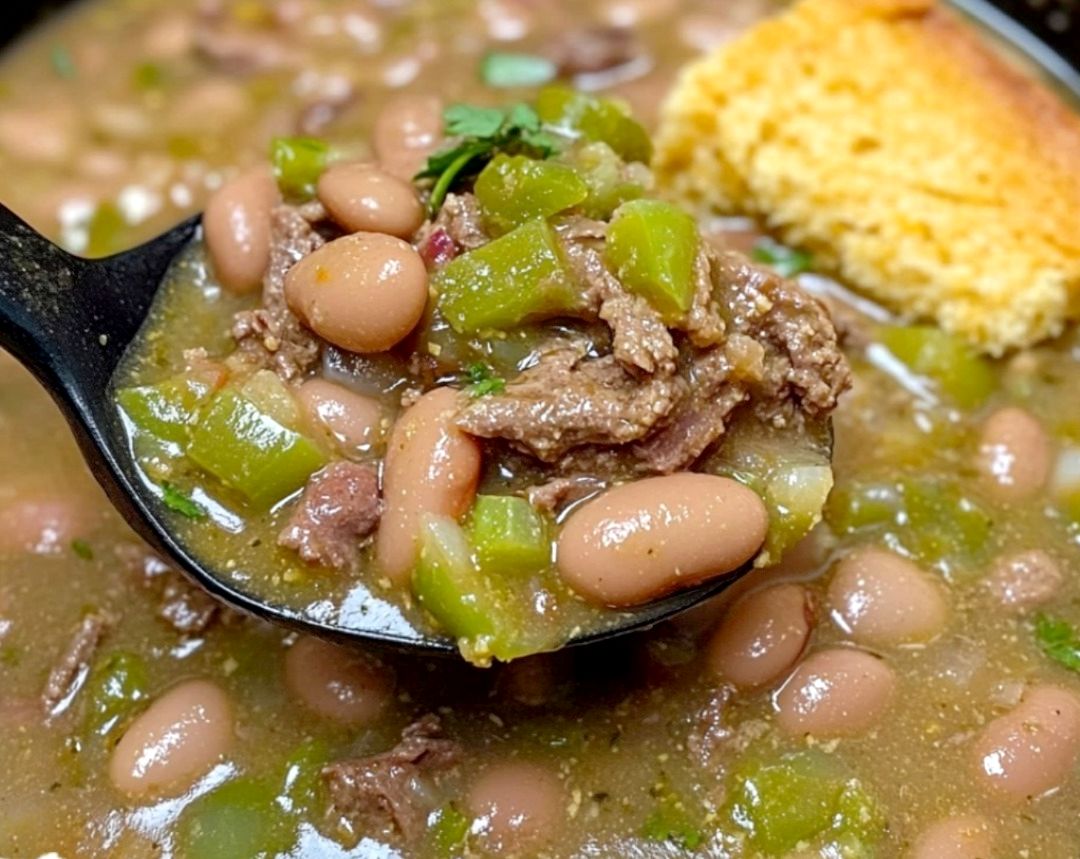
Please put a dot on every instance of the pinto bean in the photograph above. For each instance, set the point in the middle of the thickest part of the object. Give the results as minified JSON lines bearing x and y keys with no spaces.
{"x":514,"y":804}
{"x":1025,"y":580}
{"x":640,"y":540}
{"x":237,"y":228}
{"x":176,"y":740}
{"x":42,"y":523}
{"x":431,"y":467}
{"x":1015,"y":454}
{"x":363,"y":292}
{"x":835,"y":692}
{"x":363,"y":197}
{"x":1033,"y":748}
{"x":881,"y":598}
{"x":407,"y":131}
{"x":962,"y":836}
{"x":761,"y":636}
{"x":343,"y":685}
{"x":352,"y":420}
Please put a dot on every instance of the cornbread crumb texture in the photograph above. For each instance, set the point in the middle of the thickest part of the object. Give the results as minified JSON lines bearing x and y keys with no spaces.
{"x":910,"y":157}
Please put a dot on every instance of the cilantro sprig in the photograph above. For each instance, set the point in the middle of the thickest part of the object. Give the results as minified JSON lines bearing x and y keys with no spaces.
{"x":482,"y":381}
{"x":178,"y":502}
{"x":788,"y":262}
{"x":479,"y":133}
{"x":1059,"y":641}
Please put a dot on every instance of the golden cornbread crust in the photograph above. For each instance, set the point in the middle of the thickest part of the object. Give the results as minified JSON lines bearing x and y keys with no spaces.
{"x":912,"y":159}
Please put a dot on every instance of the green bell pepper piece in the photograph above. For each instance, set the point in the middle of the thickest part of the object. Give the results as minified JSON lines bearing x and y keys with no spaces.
{"x":167,"y":409}
{"x":651,"y":246}
{"x":517,"y":278}
{"x":795,"y":496}
{"x":609,"y":182}
{"x":513,"y":189}
{"x":116,"y":687}
{"x":797,"y":798}
{"x":466,"y":602}
{"x":239,"y":818}
{"x":298,"y":163}
{"x":509,"y":536}
{"x":447,"y":830}
{"x":251,"y":452}
{"x":959,"y":372}
{"x":597,"y":119}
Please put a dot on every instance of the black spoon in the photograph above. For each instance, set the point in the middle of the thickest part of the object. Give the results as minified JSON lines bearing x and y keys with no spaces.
{"x":70,"y":321}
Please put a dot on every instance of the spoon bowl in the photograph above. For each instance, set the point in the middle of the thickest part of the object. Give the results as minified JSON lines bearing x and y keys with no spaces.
{"x":70,"y":321}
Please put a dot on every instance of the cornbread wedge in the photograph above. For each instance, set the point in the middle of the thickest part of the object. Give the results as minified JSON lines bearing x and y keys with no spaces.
{"x":910,"y":157}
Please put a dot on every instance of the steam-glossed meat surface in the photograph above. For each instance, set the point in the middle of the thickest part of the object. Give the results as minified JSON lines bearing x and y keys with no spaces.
{"x":338,"y":510}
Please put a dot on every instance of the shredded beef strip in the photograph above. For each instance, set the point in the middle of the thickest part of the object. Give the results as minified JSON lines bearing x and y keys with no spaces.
{"x":594,"y":49}
{"x":183,"y":606}
{"x":338,"y":510}
{"x":271,"y":333}
{"x":564,"y":401}
{"x":552,"y":496}
{"x":460,"y":220}
{"x":640,"y":339}
{"x":70,"y":671}
{"x":387,"y":788}
{"x":804,"y":372}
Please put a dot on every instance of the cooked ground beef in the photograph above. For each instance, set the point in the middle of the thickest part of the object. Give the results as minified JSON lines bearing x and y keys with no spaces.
{"x":387,"y":789}
{"x":566,"y":400}
{"x":271,"y":333}
{"x":71,"y":669}
{"x":338,"y":510}
{"x":186,"y":608}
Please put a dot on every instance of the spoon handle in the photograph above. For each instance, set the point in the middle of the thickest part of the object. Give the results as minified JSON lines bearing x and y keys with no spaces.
{"x":68,"y":319}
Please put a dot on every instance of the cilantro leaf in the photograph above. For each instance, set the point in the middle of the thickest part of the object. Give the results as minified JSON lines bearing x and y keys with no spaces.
{"x":180,"y":503}
{"x":480,"y":133}
{"x":788,"y":262}
{"x":1059,"y":641}
{"x":468,"y":120}
{"x":482,"y":381}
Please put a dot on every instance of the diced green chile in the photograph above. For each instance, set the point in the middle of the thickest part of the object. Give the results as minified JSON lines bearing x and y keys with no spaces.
{"x":117,"y":686}
{"x":249,"y":451}
{"x":963,"y":376}
{"x":298,"y":164}
{"x":651,"y":247}
{"x":607,"y":179}
{"x":597,"y":119}
{"x":800,"y":798}
{"x":468,"y":603}
{"x":513,"y":189}
{"x":239,"y":818}
{"x":167,"y":409}
{"x":520,"y":277}
{"x":508,"y":535}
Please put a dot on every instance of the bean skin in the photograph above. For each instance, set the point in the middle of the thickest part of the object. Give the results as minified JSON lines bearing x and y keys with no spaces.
{"x":761,"y":636}
{"x":515,"y":804}
{"x":1015,"y":454}
{"x":837,"y":692}
{"x":963,"y":836}
{"x":431,"y":467}
{"x":43,"y":523}
{"x":1025,"y":580}
{"x":641,"y":540}
{"x":880,"y":598}
{"x":173,"y":742}
{"x":361,"y":197}
{"x":236,"y":224}
{"x":363,"y":292}
{"x":1033,"y":748}
{"x":352,"y":420}
{"x":407,"y":131}
{"x":343,"y":685}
